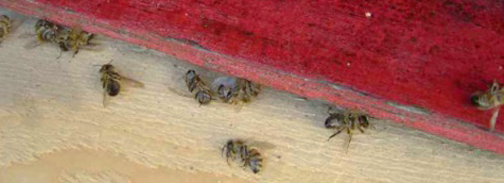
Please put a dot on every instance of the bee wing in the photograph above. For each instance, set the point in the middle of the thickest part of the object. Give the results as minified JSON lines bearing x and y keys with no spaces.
{"x":16,"y":23}
{"x":26,"y":35}
{"x":238,"y":106}
{"x":92,"y":47}
{"x":32,"y":44}
{"x":106,"y":97}
{"x":132,"y":82}
{"x":260,"y":144}
{"x":347,"y":143}
{"x":178,"y":92}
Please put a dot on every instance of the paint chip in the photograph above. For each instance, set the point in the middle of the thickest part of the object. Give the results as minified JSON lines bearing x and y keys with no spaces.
{"x":368,"y":14}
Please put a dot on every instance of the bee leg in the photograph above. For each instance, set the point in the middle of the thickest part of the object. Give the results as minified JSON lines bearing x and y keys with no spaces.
{"x":60,"y":53}
{"x":222,"y":151}
{"x":75,"y":53}
{"x":372,"y":126}
{"x":349,"y":140}
{"x":246,"y":162}
{"x":493,"y":120}
{"x":330,"y":137}
{"x":227,"y":154}
{"x":227,"y":159}
{"x":360,"y":128}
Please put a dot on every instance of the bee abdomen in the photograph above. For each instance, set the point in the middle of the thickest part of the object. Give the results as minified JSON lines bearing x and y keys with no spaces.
{"x":203,"y":97}
{"x":255,"y":160}
{"x":113,"y":88}
{"x":190,"y":79}
{"x":46,"y":35}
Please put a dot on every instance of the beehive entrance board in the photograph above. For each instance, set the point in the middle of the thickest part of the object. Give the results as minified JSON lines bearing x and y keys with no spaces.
{"x":382,"y":57}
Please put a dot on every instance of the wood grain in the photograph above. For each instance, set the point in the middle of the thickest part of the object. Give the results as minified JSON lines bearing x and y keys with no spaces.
{"x":53,"y":128}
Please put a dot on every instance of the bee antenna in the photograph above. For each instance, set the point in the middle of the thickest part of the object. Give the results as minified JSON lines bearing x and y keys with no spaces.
{"x":102,"y":65}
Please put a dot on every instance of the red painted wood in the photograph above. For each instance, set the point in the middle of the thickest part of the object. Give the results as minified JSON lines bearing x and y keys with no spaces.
{"x":429,"y":54}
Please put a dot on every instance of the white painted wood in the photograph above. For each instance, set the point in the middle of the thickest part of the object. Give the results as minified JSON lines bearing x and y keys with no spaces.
{"x":53,"y":128}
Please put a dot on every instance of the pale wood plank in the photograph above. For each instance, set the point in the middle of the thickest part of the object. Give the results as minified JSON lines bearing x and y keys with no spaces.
{"x":53,"y":128}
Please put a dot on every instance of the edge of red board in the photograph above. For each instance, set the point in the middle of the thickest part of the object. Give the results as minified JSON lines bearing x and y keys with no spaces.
{"x":204,"y":33}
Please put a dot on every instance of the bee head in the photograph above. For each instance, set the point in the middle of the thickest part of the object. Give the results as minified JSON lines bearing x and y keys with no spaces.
{"x":363,"y":121}
{"x":190,"y":74}
{"x":335,"y":121}
{"x":40,"y":23}
{"x":255,"y":170}
{"x":203,"y":97}
{"x":5,"y":17}
{"x":225,"y":92}
{"x":63,"y":46}
{"x":475,"y":100}
{"x":106,"y":67}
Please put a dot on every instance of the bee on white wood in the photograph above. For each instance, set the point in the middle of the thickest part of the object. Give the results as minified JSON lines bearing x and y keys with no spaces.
{"x":65,"y":38}
{"x":347,"y":121}
{"x":5,"y":26}
{"x":247,"y":151}
{"x":235,"y":90}
{"x":111,"y":82}
{"x":195,"y":83}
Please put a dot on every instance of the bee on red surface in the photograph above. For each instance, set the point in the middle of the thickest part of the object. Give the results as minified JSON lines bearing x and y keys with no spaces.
{"x":493,"y":98}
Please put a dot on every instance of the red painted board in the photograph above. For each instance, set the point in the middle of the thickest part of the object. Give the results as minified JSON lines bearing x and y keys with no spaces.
{"x":415,"y":62}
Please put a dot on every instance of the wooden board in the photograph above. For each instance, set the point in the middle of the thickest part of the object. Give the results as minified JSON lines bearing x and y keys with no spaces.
{"x":420,"y":74}
{"x":53,"y":128}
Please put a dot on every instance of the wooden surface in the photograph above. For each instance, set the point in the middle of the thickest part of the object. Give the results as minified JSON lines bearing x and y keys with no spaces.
{"x":190,"y":50}
{"x":53,"y":128}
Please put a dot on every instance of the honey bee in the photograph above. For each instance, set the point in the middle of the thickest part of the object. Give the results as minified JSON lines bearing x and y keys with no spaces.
{"x":247,"y":151}
{"x":194,"y":82}
{"x":234,"y":147}
{"x":46,"y":32}
{"x":5,"y":26}
{"x":347,"y":121}
{"x":74,"y":39}
{"x":111,"y":82}
{"x":235,"y":90}
{"x":65,"y":38}
{"x":491,"y":99}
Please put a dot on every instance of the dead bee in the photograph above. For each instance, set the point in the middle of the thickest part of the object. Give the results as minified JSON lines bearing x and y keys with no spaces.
{"x":491,"y":99}
{"x":247,"y":151}
{"x":250,"y":90}
{"x":254,"y":160}
{"x":5,"y":25}
{"x":46,"y":32}
{"x":347,"y":121}
{"x":234,"y":147}
{"x":226,"y":93}
{"x":111,"y":82}
{"x":235,"y":90}
{"x":74,"y":40}
{"x":65,"y":38}
{"x":194,"y":82}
